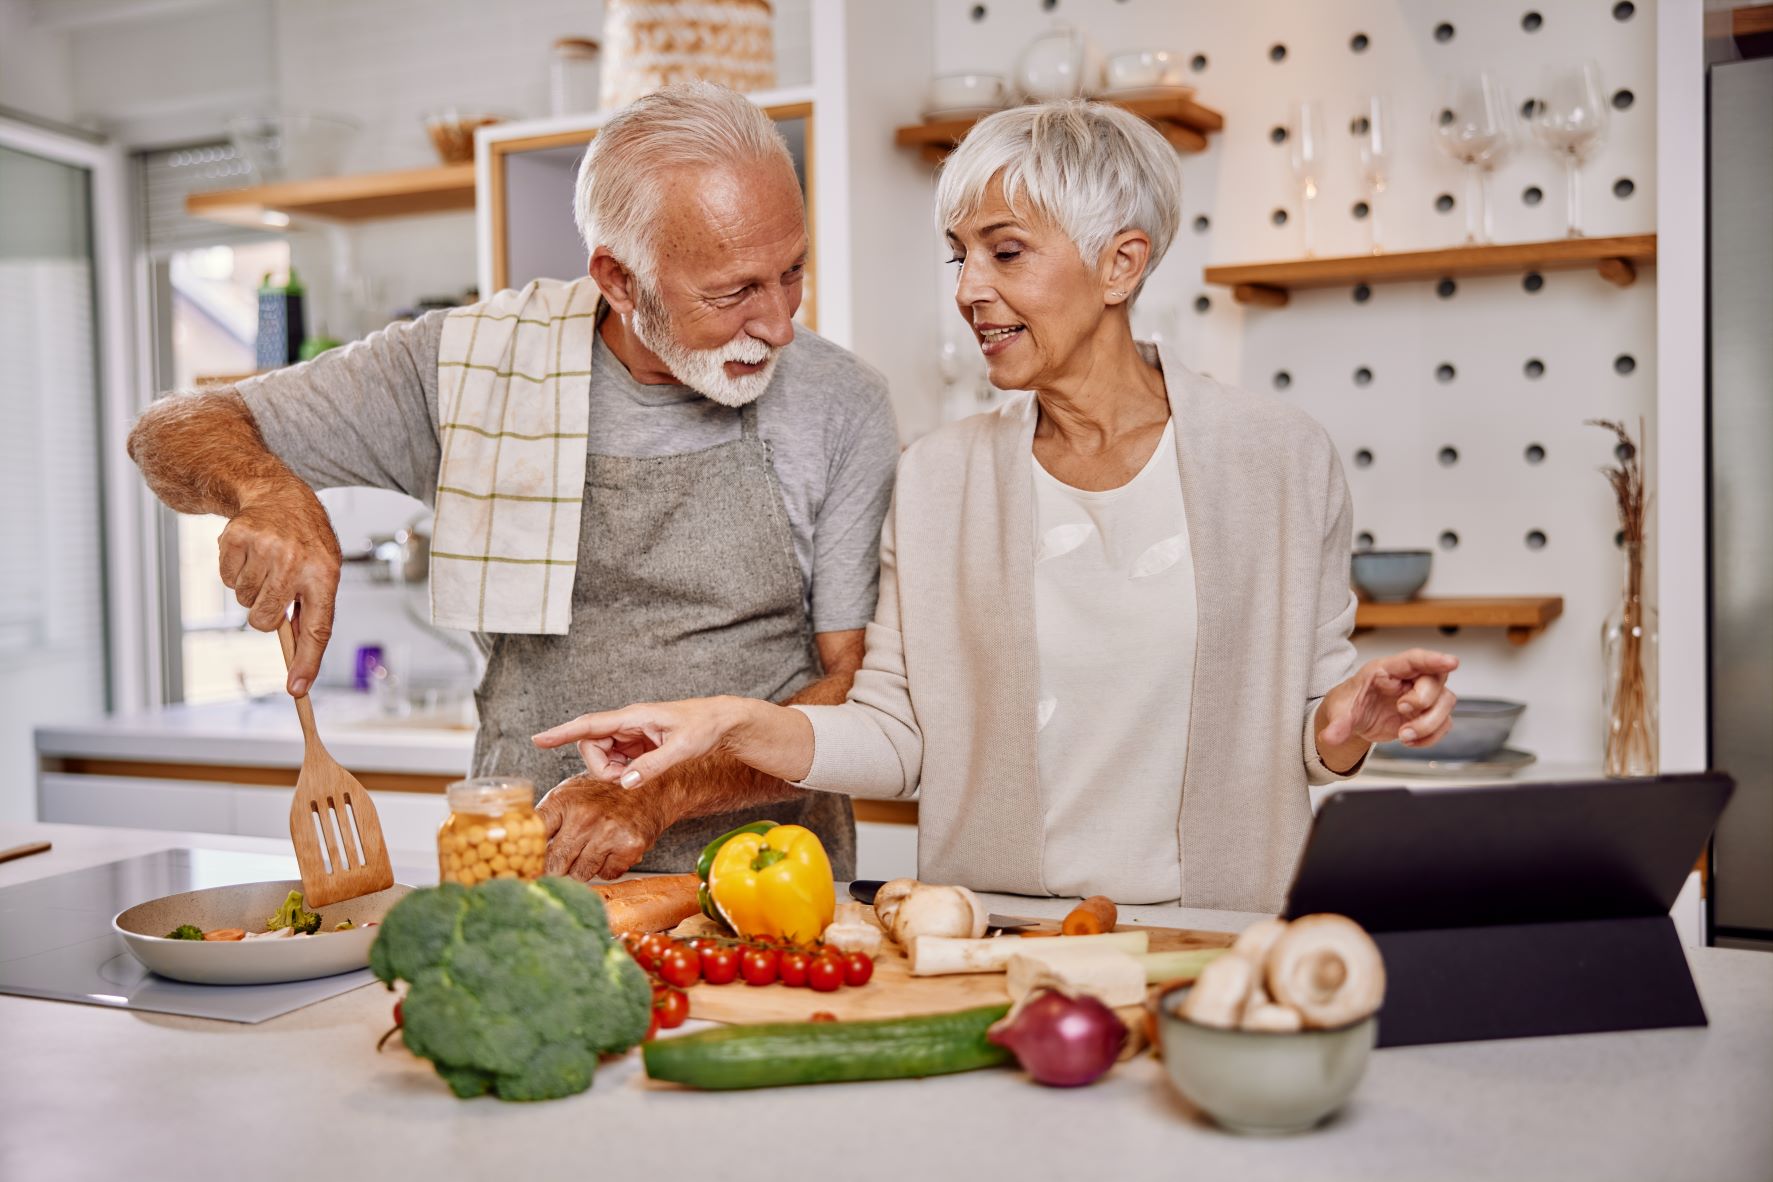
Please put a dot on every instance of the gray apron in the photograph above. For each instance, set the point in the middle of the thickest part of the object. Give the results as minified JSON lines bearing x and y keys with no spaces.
{"x":687,"y":586}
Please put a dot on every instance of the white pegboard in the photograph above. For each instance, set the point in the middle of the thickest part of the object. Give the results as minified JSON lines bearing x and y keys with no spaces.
{"x":1487,"y":329}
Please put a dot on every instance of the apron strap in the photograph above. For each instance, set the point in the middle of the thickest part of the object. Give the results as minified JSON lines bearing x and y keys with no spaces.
{"x":748,"y":421}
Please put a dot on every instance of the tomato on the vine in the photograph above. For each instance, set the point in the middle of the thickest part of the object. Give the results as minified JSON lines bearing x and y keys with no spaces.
{"x":652,"y":1027}
{"x":758,"y":966}
{"x":647,"y":950}
{"x":858,"y":967}
{"x":720,"y":965}
{"x":670,"y":1008}
{"x":825,"y":974}
{"x":794,"y":964}
{"x":681,"y":966}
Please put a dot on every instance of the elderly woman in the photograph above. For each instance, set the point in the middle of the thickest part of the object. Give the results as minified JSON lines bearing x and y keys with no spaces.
{"x":1112,"y":642}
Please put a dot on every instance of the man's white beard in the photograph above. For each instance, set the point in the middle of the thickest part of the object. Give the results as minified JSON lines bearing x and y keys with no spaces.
{"x":704,"y":370}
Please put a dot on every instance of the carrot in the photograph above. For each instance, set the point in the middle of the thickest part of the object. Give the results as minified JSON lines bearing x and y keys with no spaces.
{"x":225,"y":934}
{"x":1091,"y":917}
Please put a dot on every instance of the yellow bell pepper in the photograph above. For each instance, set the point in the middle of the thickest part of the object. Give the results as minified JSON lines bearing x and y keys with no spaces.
{"x":776,"y":883}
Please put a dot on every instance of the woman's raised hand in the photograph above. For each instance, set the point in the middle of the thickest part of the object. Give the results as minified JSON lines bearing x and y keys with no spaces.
{"x":1403,"y":696}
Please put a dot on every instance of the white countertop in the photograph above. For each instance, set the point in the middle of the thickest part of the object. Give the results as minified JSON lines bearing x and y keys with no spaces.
{"x":265,"y":733}
{"x":92,"y":1092}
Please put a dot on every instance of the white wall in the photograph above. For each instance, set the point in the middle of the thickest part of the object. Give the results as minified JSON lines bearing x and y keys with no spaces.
{"x":1491,"y":497}
{"x":36,"y":74}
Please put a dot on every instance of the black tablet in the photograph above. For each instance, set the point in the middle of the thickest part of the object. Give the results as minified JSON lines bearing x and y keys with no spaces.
{"x":1517,"y":909}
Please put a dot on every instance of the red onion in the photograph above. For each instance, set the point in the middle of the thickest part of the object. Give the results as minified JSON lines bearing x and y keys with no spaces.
{"x":1061,"y":1041}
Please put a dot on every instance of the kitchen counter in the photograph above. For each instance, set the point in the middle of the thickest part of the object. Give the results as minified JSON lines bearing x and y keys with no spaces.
{"x":93,"y":1092}
{"x":265,"y":733}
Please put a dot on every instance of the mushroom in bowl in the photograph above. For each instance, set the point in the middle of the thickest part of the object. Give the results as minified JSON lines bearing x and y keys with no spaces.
{"x":1274,"y":1037}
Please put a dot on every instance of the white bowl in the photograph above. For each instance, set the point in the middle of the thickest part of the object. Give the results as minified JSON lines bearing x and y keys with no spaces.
{"x":956,"y":95}
{"x":1062,"y":63}
{"x":1145,"y":69}
{"x":250,"y":962}
{"x":1256,"y":1082}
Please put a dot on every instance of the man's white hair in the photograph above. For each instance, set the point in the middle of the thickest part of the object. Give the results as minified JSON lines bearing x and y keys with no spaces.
{"x":1092,"y":169}
{"x":688,"y":123}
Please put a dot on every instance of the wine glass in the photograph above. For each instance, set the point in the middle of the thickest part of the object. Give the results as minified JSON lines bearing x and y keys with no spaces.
{"x":1570,"y":117}
{"x":1472,"y":126}
{"x":1305,"y":133}
{"x":1375,"y":129}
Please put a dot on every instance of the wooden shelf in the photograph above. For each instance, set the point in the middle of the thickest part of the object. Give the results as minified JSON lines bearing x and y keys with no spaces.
{"x":1752,"y":29}
{"x":1184,"y":122}
{"x":447,"y":188}
{"x":1267,"y":284}
{"x":1523,"y":616}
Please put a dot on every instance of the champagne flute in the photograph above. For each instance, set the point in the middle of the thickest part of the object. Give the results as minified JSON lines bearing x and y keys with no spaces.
{"x":1375,"y":129}
{"x":1472,"y":126}
{"x":1570,"y":117}
{"x":1305,"y":134}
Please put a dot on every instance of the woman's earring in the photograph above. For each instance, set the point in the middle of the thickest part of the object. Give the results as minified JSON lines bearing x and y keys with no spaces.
{"x":1115,"y":295}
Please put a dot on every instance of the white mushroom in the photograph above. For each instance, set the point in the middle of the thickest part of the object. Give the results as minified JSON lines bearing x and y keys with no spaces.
{"x":937,"y":911}
{"x":888,"y":898}
{"x":1327,"y":968}
{"x":1272,"y":1018}
{"x":1255,"y":941}
{"x":853,"y":930}
{"x":1217,"y":998}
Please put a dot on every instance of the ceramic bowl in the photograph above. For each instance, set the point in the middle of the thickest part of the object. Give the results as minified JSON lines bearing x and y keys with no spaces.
{"x":250,"y":962}
{"x":1261,"y":1083}
{"x":957,"y":95}
{"x":1391,"y":576}
{"x":1480,"y":729}
{"x":1062,"y":63}
{"x":1144,"y":69}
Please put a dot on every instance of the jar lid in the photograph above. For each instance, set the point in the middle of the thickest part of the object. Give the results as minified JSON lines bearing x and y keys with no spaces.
{"x":576,"y":46}
{"x":483,"y":794}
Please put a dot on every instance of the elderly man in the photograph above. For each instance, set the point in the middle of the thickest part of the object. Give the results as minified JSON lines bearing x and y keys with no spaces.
{"x":647,"y":482}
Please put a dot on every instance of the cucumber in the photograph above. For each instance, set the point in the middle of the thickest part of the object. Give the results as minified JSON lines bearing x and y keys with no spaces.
{"x":785,"y":1053}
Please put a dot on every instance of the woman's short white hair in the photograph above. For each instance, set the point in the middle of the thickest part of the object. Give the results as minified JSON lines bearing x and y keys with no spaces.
{"x":1092,"y":169}
{"x":616,"y":199}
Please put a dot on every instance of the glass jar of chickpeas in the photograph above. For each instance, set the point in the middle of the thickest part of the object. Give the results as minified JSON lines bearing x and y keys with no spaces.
{"x":492,"y":832}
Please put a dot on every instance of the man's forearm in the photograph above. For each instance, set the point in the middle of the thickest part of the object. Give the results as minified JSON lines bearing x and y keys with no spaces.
{"x":202,"y":453}
{"x":720,"y":783}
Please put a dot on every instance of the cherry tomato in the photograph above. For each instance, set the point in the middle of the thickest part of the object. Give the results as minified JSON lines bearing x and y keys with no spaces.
{"x":825,"y":974}
{"x":857,"y":968}
{"x":720,"y":965}
{"x":652,"y":1027}
{"x":794,"y":964}
{"x":670,"y":1008}
{"x":399,"y":1017}
{"x":823,"y":1016}
{"x":645,"y":952}
{"x":681,"y":966}
{"x":758,"y":966}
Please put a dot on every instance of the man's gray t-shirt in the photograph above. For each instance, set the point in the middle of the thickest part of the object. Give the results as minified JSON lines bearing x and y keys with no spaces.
{"x":366,"y":415}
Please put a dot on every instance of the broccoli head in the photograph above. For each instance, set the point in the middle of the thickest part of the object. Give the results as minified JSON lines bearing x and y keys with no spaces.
{"x":185,"y":931}
{"x":514,"y":987}
{"x":293,"y":915}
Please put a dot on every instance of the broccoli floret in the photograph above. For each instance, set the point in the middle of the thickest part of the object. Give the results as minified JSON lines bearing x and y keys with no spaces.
{"x":293,"y":915}
{"x":514,"y":988}
{"x":185,"y":931}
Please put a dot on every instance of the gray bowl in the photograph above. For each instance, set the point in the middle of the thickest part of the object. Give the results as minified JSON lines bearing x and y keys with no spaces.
{"x":1391,"y":576}
{"x":1481,"y":727}
{"x":1262,"y":1083}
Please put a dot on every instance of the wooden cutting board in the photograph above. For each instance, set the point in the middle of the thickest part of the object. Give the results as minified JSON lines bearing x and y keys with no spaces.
{"x":893,"y":992}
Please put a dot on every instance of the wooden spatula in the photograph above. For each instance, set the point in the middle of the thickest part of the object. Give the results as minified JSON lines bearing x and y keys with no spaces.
{"x":331,"y":806}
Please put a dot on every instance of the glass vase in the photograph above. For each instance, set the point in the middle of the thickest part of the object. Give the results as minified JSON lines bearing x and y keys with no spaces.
{"x":1629,"y":642}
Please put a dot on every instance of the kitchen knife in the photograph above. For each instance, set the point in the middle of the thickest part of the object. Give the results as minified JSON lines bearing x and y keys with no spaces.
{"x":863,"y":890}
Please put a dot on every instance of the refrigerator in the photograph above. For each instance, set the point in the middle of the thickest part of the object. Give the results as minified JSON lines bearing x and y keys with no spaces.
{"x":1740,"y":405}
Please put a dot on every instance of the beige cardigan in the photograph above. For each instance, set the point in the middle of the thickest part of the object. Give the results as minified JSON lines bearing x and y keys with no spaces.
{"x":944,"y":707}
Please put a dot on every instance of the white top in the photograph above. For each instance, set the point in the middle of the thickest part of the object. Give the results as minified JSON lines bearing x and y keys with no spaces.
{"x":1114,"y":615}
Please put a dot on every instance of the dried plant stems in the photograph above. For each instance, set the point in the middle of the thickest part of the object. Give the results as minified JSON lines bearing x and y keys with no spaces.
{"x":1631,"y":722}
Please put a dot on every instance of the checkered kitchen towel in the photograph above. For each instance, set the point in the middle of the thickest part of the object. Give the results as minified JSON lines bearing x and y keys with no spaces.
{"x":513,"y":399}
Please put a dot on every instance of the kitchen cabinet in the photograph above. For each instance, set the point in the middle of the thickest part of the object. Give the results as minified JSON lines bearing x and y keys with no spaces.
{"x":358,"y":197}
{"x":526,"y":173}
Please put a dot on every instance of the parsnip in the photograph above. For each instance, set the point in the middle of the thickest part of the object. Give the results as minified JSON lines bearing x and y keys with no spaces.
{"x":1117,"y":978}
{"x":936,"y":956}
